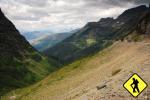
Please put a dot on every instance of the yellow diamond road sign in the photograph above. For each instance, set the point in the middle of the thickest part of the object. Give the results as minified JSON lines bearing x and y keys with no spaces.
{"x":135,"y":85}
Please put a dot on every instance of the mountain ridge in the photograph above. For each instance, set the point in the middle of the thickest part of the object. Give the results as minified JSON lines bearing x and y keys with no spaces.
{"x":20,"y":63}
{"x":49,"y":41}
{"x":95,"y":36}
{"x":108,"y":68}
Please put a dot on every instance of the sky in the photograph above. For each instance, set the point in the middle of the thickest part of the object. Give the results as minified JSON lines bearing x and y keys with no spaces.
{"x":62,"y":15}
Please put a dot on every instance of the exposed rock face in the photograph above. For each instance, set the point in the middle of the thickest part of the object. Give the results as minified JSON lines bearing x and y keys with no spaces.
{"x":97,"y":35}
{"x":144,"y":25}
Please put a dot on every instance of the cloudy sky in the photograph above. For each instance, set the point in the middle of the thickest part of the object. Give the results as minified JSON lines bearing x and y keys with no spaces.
{"x":60,"y":15}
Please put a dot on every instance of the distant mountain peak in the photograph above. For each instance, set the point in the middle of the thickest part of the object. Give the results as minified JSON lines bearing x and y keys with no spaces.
{"x":95,"y":36}
{"x":139,"y":7}
{"x":106,"y":19}
{"x":136,"y":9}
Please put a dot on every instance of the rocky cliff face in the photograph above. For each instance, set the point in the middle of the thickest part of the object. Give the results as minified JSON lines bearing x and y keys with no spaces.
{"x":97,"y":35}
{"x":20,"y":63}
{"x":144,"y":25}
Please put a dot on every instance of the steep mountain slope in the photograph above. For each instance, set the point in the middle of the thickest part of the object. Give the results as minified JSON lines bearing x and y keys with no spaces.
{"x":49,"y":41}
{"x":97,"y":77}
{"x":144,"y":25}
{"x":97,"y":35}
{"x":109,"y":68}
{"x":20,"y":63}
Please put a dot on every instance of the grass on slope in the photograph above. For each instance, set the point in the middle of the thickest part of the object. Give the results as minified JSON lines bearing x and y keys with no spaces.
{"x":18,"y":73}
{"x":77,"y":78}
{"x":68,"y":71}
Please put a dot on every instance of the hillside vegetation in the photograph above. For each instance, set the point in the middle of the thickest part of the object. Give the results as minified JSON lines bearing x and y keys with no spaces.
{"x":20,"y":63}
{"x":98,"y":59}
{"x":79,"y":80}
{"x":95,"y":36}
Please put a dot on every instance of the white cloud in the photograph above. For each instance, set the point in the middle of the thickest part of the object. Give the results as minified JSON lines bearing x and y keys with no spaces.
{"x":61,"y":14}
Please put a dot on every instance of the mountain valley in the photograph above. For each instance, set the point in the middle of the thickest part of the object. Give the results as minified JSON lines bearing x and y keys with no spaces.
{"x":90,"y":64}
